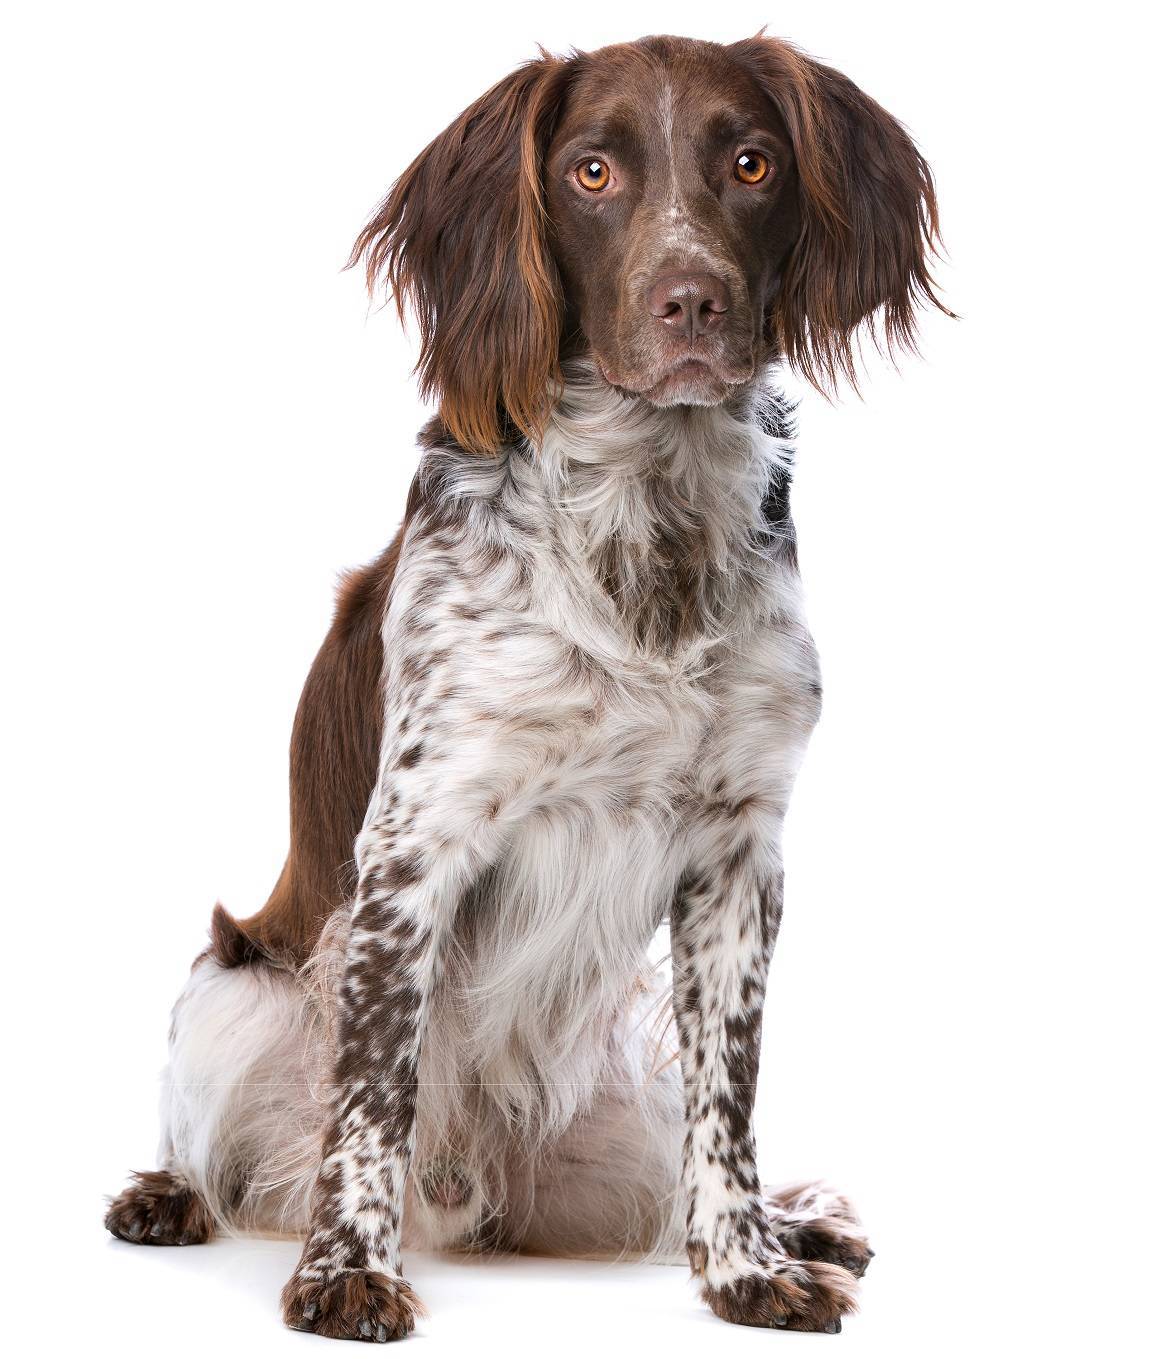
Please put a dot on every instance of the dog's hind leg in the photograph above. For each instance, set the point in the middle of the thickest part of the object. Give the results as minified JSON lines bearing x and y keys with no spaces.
{"x":164,"y":1207}
{"x":814,"y":1222}
{"x":241,"y":1120}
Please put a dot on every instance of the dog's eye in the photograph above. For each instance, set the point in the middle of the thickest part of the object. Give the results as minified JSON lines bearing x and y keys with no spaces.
{"x":593,"y":174}
{"x":751,"y":167}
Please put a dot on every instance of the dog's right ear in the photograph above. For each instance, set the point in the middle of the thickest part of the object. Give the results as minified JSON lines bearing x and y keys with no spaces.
{"x":461,"y":239}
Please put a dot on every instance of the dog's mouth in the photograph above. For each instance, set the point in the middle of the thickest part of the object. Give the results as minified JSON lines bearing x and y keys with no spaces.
{"x":689,"y":381}
{"x":694,"y":382}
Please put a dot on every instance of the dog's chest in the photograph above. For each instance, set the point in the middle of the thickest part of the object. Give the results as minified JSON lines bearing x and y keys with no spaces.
{"x":545,"y":699}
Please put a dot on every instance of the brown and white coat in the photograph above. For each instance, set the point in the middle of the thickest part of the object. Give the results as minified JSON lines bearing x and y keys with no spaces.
{"x":567,"y":705}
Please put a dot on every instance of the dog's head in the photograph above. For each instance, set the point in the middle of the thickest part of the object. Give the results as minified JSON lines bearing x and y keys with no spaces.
{"x":681,"y":212}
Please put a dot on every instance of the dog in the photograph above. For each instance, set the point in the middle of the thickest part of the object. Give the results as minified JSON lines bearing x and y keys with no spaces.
{"x":565,"y":706}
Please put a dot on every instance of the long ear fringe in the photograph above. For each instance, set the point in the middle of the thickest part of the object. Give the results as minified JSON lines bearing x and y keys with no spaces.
{"x":460,"y":242}
{"x":861,"y":266}
{"x":823,"y":347}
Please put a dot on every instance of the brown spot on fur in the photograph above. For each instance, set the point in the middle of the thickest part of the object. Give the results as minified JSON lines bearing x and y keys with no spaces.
{"x":409,"y":758}
{"x":400,"y":873}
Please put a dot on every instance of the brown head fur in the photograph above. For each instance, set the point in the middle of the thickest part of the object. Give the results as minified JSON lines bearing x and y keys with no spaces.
{"x":501,"y":265}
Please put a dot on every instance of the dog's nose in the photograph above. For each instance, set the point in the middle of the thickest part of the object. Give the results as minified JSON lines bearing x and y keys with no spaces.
{"x":689,"y":304}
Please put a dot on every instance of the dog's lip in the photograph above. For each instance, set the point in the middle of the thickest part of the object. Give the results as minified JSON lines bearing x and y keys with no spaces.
{"x":688,"y":368}
{"x":692,"y":368}
{"x":690,"y":372}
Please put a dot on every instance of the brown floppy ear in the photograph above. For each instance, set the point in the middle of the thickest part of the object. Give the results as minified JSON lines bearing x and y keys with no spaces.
{"x":460,"y":238}
{"x":869,"y":220}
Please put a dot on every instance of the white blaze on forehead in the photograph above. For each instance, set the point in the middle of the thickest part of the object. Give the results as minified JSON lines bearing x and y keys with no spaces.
{"x":678,"y":232}
{"x":666,"y":117}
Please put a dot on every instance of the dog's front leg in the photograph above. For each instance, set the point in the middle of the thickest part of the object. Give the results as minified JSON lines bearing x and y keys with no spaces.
{"x":349,"y":1282}
{"x":723,"y":928}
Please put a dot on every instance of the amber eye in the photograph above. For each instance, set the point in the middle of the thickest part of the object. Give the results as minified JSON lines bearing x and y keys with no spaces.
{"x":593,"y":174}
{"x":751,"y":167}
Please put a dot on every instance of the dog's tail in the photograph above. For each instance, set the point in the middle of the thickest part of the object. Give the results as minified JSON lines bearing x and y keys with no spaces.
{"x":231,"y":944}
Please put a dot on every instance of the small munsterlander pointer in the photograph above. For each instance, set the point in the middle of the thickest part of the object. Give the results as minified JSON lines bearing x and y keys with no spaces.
{"x":567,"y":703}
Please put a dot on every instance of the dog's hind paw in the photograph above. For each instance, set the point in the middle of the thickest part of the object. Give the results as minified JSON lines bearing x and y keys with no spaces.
{"x":813,"y":1222}
{"x":159,"y":1209}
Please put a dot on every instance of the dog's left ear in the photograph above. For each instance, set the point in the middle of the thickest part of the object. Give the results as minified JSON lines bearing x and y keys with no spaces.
{"x":869,"y":220}
{"x":460,"y":238}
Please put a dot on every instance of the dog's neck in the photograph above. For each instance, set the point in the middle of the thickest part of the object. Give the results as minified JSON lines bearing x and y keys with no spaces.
{"x":669,"y":507}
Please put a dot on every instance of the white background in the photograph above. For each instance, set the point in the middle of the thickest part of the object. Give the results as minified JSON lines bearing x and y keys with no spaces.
{"x":204,"y":423}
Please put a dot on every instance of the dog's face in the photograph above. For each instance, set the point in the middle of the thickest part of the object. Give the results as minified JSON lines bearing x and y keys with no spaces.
{"x":673,"y":201}
{"x":680,"y":212}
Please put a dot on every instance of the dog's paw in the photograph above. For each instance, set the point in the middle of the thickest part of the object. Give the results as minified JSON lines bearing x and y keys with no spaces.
{"x":826,"y":1239}
{"x":798,"y":1295}
{"x":351,"y":1304}
{"x":159,"y":1209}
{"x":813,"y":1222}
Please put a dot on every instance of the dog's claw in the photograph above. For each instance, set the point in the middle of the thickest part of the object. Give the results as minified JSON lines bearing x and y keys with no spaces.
{"x":365,"y":1330}
{"x":156,"y":1230}
{"x":134,"y":1231}
{"x":834,"y":1327}
{"x":383,"y":1334}
{"x":310,"y":1312}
